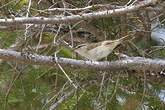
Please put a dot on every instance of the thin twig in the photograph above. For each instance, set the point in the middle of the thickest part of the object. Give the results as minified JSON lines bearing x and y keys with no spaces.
{"x":82,"y":9}
{"x":64,"y":97}
{"x":69,"y":79}
{"x":40,"y":38}
{"x":27,"y":15}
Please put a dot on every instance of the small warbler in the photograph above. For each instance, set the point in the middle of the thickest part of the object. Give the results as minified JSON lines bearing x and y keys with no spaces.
{"x":97,"y":51}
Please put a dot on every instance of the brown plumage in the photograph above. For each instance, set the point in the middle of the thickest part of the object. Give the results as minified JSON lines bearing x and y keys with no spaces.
{"x":97,"y":51}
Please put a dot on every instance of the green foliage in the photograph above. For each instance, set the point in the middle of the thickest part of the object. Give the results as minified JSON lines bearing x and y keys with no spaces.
{"x":38,"y":87}
{"x":8,"y":38}
{"x":66,"y":52}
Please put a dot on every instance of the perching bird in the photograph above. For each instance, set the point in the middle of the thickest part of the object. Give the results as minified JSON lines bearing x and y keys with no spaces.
{"x":158,"y":35}
{"x":97,"y":51}
{"x":157,"y":30}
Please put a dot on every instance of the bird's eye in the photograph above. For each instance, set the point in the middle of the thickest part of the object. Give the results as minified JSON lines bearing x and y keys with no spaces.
{"x":81,"y":45}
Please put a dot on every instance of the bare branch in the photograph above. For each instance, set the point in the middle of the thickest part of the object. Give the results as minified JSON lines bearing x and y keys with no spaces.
{"x":63,"y":98}
{"x":75,"y":18}
{"x":130,"y":63}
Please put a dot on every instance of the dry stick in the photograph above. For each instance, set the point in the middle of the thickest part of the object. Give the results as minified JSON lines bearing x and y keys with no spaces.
{"x":144,"y":90}
{"x":63,"y":98}
{"x":40,"y":37}
{"x":57,"y":33}
{"x":70,"y":30}
{"x":61,"y":91}
{"x":82,"y":9}
{"x":75,"y":18}
{"x":69,"y":79}
{"x":115,"y":88}
{"x":106,"y":94}
{"x":16,"y":76}
{"x":27,"y":15}
{"x":130,"y":63}
{"x":101,"y":85}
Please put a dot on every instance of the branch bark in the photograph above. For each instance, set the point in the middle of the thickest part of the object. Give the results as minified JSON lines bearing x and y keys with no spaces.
{"x":130,"y":63}
{"x":75,"y":18}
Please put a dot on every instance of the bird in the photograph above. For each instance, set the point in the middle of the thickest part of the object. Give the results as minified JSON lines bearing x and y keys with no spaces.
{"x":157,"y":30}
{"x":97,"y":51}
{"x":158,"y":35}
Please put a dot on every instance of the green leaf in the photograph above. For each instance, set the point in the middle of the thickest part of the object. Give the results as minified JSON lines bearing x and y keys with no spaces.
{"x":66,"y":52}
